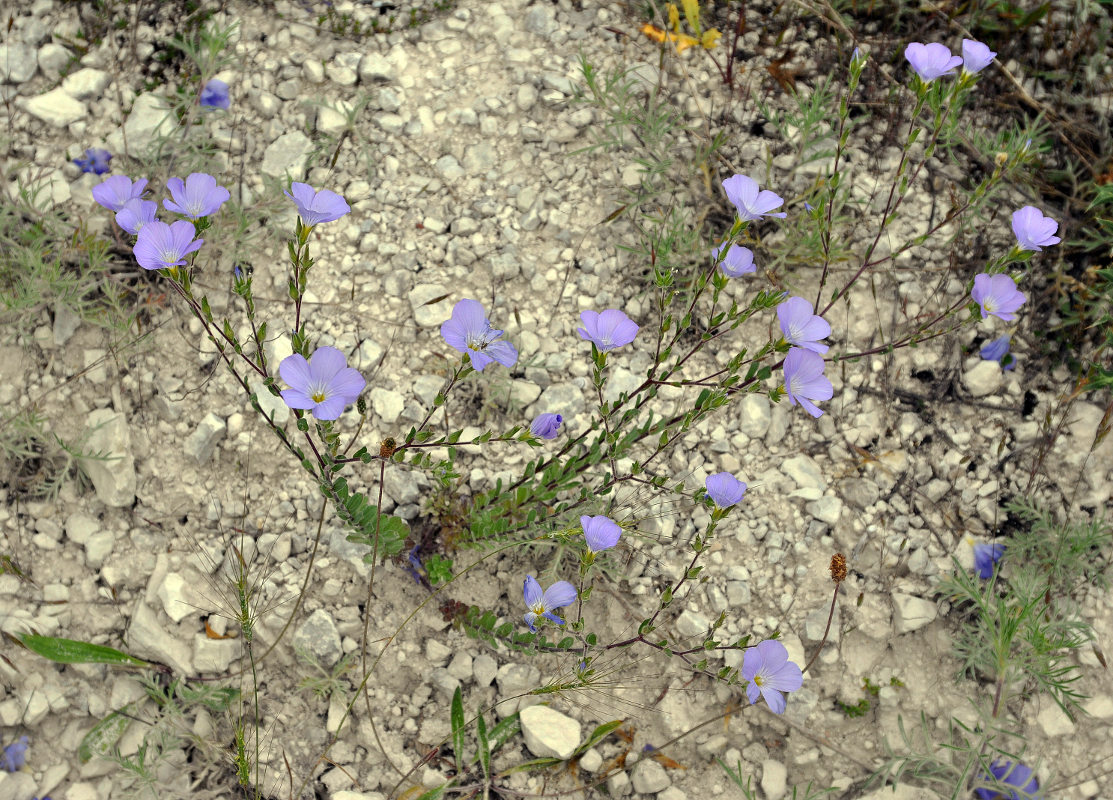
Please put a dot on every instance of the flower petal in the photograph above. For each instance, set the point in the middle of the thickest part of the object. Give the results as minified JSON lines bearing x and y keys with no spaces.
{"x":331,"y":408}
{"x":295,"y":398}
{"x":773,"y":655}
{"x":325,"y":363}
{"x":348,"y":383}
{"x":775,"y":699}
{"x":788,"y":678}
{"x":294,"y":369}
{"x":559,"y":595}
{"x":531,"y":591}
{"x":503,"y":352}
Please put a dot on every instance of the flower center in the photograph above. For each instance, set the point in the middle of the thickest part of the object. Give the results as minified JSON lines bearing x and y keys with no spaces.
{"x":479,"y":342}
{"x":168,"y":256}
{"x":538,"y":608}
{"x":989,"y":305}
{"x":759,"y":680}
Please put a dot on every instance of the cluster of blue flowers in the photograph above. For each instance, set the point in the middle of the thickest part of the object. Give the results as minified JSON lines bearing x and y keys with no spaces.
{"x":324,"y":385}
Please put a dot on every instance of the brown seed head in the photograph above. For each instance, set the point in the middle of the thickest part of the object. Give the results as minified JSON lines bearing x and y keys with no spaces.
{"x":838,"y":568}
{"x":387,"y":448}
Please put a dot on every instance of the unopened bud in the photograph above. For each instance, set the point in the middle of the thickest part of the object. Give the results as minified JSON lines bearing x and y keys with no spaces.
{"x":387,"y":448}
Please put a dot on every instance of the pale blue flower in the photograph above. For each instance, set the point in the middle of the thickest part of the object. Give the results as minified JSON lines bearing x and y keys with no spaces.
{"x":724,"y":489}
{"x":542,"y":604}
{"x":546,"y":426}
{"x":601,"y":533}
{"x":324,"y":385}
{"x":469,"y":331}
{"x":997,"y":295}
{"x":770,"y":674}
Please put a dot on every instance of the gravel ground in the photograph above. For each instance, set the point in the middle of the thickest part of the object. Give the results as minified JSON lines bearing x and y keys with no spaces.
{"x":465,"y":181}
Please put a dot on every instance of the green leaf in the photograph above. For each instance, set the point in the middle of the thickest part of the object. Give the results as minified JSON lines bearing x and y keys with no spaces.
{"x":458,"y":736}
{"x":103,"y":736}
{"x":70,"y":651}
{"x":433,"y":794}
{"x":598,"y":735}
{"x":484,"y":750}
{"x":439,"y":569}
{"x":504,"y":731}
{"x":527,"y":766}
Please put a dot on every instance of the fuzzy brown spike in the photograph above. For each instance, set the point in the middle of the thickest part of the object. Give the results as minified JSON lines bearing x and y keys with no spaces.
{"x":838,"y":568}
{"x":387,"y":448}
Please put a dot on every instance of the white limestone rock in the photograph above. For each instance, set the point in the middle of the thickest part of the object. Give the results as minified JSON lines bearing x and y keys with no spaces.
{"x":17,"y":63}
{"x":984,"y":378}
{"x":55,"y":108}
{"x":149,"y":119}
{"x":148,"y":638}
{"x":113,"y":476}
{"x":86,"y":84}
{"x":286,"y":155}
{"x":549,"y":733}
{"x":911,"y":613}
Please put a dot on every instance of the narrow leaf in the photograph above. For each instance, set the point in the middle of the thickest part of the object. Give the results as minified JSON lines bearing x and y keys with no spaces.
{"x":103,"y":736}
{"x":458,"y":729}
{"x":70,"y":651}
{"x":484,"y":746}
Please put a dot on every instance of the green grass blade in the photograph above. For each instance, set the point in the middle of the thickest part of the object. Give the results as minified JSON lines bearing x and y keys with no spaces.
{"x":71,"y":651}
{"x":484,"y":746}
{"x":458,"y":730}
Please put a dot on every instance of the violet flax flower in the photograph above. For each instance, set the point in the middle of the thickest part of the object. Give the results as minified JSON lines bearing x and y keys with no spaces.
{"x":801,"y":327}
{"x":601,"y":533}
{"x":1010,"y":774}
{"x":14,"y":755}
{"x":469,"y":331}
{"x":215,"y":95}
{"x":770,"y":674}
{"x":113,"y":192}
{"x":975,"y":56}
{"x":135,"y":214}
{"x":737,"y":262}
{"x":997,"y":295}
{"x":931,"y":61}
{"x":199,"y":196}
{"x":95,"y":161}
{"x":986,"y":557}
{"x":607,"y":329}
{"x":324,"y":385}
{"x":1033,"y":230}
{"x":998,"y":350}
{"x":162,"y":246}
{"x":317,"y":207}
{"x":724,"y":489}
{"x":542,"y":604}
{"x":751,"y":204}
{"x":805,"y":381}
{"x":546,"y":426}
